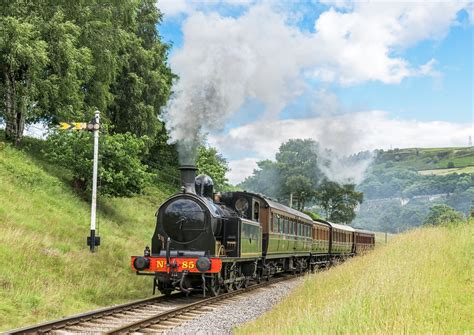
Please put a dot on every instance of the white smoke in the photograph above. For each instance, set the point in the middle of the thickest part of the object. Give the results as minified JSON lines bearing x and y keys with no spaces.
{"x":263,"y":55}
{"x":344,"y":169}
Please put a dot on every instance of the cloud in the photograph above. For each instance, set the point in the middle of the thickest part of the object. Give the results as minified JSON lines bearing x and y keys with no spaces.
{"x":261,"y":55}
{"x":239,"y":169}
{"x":344,"y":134}
{"x":175,"y":7}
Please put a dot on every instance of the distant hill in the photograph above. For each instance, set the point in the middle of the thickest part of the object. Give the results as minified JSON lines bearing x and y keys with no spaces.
{"x":419,"y":159}
{"x":402,"y":184}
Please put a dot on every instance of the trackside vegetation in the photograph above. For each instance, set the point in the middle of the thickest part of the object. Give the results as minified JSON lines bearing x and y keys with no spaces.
{"x":419,"y":283}
{"x":46,"y":270}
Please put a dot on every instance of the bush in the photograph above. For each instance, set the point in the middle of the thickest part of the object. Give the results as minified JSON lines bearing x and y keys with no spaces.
{"x":121,"y":172}
{"x":442,"y":214}
{"x":450,"y":165}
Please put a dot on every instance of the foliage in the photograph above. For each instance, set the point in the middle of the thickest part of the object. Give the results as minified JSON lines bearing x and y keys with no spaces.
{"x":121,"y":172}
{"x":266,"y":179}
{"x":313,"y":215}
{"x":23,"y":56}
{"x":339,"y":201}
{"x":442,"y":214}
{"x":82,"y":56}
{"x":301,"y":189}
{"x":416,"y":284}
{"x":294,"y":171}
{"x":144,"y":81}
{"x":211,"y":163}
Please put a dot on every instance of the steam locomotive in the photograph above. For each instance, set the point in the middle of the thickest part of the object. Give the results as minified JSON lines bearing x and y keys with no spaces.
{"x":208,"y":242}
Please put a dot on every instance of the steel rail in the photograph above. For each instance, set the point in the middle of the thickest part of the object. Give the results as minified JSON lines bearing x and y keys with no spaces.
{"x":84,"y":317}
{"x":156,"y":319}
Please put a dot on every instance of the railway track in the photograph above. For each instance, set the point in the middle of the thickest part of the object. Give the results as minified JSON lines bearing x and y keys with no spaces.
{"x":153,"y":315}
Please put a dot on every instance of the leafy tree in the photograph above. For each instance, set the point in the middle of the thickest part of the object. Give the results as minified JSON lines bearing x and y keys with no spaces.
{"x":120,"y":171}
{"x":339,"y":201}
{"x":23,"y":57}
{"x":298,"y":157}
{"x":82,"y":56}
{"x":442,"y":214}
{"x":210,"y":162}
{"x":144,"y":82}
{"x":265,"y":180}
{"x":301,"y":188}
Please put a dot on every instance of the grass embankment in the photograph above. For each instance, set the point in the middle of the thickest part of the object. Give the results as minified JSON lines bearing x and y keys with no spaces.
{"x":419,"y":283}
{"x":46,"y":270}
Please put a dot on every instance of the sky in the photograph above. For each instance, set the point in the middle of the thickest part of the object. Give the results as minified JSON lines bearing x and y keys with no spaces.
{"x":353,"y":76}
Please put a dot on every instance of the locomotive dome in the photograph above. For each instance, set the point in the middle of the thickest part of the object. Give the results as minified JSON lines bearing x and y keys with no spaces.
{"x":204,"y":186}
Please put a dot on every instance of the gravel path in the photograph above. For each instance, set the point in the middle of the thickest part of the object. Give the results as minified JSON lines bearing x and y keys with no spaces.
{"x":246,"y":307}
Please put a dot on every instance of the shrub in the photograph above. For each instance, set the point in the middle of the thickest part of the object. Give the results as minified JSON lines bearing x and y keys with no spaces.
{"x":442,"y":214}
{"x":450,"y":165}
{"x":121,"y":172}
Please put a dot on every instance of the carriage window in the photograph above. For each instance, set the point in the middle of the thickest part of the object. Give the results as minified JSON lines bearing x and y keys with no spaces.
{"x":256,"y":211}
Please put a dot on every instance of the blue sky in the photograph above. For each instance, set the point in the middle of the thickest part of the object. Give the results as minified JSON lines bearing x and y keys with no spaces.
{"x":312,"y":63}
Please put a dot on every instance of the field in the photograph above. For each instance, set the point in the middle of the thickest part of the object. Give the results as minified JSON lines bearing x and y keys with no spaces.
{"x":421,"y":282}
{"x":442,"y":172}
{"x":427,"y":158}
{"x":46,"y":270}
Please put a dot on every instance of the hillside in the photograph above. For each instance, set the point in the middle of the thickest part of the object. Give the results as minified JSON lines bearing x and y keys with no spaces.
{"x":416,"y":284}
{"x":402,"y":184}
{"x":419,"y":159}
{"x":46,"y":270}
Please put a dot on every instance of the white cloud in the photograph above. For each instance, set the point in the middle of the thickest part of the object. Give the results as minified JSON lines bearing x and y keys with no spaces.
{"x":345,"y":134}
{"x":226,"y":60}
{"x":239,"y":169}
{"x":174,"y":7}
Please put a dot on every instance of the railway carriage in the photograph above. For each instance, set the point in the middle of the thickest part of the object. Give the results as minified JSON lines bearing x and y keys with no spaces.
{"x":208,"y":243}
{"x":363,"y":241}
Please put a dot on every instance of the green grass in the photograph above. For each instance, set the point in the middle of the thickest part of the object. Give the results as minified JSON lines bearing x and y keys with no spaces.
{"x":427,"y":158}
{"x":46,"y":270}
{"x":442,"y":172}
{"x":421,"y":282}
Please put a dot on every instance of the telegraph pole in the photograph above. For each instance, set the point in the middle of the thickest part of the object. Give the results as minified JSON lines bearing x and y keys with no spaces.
{"x":93,"y":240}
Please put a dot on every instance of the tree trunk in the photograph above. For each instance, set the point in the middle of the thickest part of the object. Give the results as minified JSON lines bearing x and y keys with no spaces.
{"x":14,"y":116}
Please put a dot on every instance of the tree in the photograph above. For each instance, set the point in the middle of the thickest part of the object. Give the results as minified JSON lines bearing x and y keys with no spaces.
{"x":265,"y":180}
{"x":60,"y":61}
{"x":301,"y":188}
{"x":442,"y":214}
{"x":339,"y":201}
{"x":143,"y":85}
{"x":211,"y":163}
{"x":120,"y":171}
{"x":23,"y":56}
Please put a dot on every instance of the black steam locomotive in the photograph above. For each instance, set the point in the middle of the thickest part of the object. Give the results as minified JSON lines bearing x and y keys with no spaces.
{"x":209,"y":242}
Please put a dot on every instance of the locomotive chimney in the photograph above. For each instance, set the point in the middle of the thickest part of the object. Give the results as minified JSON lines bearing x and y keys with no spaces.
{"x":188,"y":175}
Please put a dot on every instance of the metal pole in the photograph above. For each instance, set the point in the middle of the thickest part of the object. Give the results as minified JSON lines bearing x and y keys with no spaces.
{"x":94,"y":180}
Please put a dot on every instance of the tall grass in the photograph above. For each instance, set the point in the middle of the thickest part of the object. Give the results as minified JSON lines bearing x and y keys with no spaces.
{"x":46,"y":270}
{"x":421,"y":282}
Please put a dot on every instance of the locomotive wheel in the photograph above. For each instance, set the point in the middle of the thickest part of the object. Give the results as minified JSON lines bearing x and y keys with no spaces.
{"x":214,"y":287}
{"x":238,"y":284}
